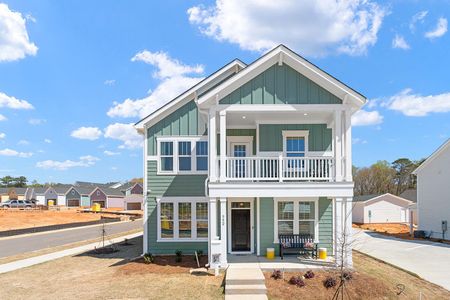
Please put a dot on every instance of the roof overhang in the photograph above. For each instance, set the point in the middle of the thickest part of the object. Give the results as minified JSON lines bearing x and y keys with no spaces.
{"x":281,"y":55}
{"x":435,"y":154}
{"x":228,"y":70}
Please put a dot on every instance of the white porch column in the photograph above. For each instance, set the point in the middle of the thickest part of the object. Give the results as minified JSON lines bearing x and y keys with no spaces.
{"x":338,"y":229}
{"x":348,"y":260}
{"x":338,"y":145}
{"x":223,"y":232}
{"x":223,"y":144}
{"x":213,"y":239}
{"x":212,"y":150}
{"x":348,"y":145}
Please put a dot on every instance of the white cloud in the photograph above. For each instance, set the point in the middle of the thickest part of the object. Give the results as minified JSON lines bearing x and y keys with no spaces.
{"x":12,"y":102}
{"x":2,"y":135}
{"x":358,"y":141}
{"x":3,"y":118}
{"x":37,"y":121}
{"x":10,"y":152}
{"x":23,"y":143}
{"x":109,"y":82}
{"x":84,"y":161}
{"x":14,"y":41}
{"x":419,"y":17}
{"x":399,"y":42}
{"x":314,"y":28}
{"x":48,"y":141}
{"x":87,"y":133}
{"x":416,"y":105}
{"x":440,"y":30}
{"x":111,"y":153}
{"x":114,"y":168}
{"x":125,"y":133}
{"x":175,"y":77}
{"x":366,"y":118}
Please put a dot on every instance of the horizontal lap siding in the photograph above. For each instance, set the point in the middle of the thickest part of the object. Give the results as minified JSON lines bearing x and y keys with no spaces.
{"x":171,"y":186}
{"x":326,"y":224}
{"x":185,"y":121}
{"x":271,"y":137}
{"x":280,"y":85}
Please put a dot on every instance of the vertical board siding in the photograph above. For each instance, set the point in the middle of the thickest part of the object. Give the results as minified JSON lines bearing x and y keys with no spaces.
{"x":239,"y":132}
{"x":183,"y":122}
{"x":280,"y":85}
{"x":267,"y":226}
{"x":171,"y":186}
{"x":326,"y":224}
{"x":271,"y":137}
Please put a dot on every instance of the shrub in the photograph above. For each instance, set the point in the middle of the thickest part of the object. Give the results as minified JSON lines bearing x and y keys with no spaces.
{"x":277,"y":274}
{"x":178,"y":255}
{"x":309,"y":274}
{"x":329,"y":282}
{"x":149,"y":258}
{"x":296,"y":280}
{"x":347,"y":276}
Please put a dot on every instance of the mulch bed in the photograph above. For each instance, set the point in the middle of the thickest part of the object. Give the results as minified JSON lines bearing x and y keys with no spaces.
{"x":163,"y":264}
{"x":360,"y":287}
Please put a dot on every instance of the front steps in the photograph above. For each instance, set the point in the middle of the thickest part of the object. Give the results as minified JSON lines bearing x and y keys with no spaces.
{"x":245,"y":283}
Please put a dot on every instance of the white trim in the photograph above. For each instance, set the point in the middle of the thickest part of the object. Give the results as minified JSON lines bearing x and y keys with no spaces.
{"x":248,"y":140}
{"x":175,"y":201}
{"x":432,"y":157}
{"x":241,"y":127}
{"x":296,"y":219}
{"x":295,"y":133}
{"x":175,"y":140}
{"x":145,"y":200}
{"x":270,"y":108}
{"x":258,"y":226}
{"x":252,"y":225}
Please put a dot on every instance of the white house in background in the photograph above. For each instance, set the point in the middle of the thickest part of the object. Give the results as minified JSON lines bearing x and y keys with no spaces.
{"x":433,"y":192}
{"x":386,"y":208}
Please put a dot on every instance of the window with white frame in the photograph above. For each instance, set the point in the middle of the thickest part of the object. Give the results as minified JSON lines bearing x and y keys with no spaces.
{"x":296,"y":216}
{"x":178,"y":155}
{"x":182,"y":219}
{"x":295,"y":143}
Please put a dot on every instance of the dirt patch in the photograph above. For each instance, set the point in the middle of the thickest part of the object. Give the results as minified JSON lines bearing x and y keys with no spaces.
{"x":371,"y":280}
{"x":162,"y":264}
{"x":20,"y":219}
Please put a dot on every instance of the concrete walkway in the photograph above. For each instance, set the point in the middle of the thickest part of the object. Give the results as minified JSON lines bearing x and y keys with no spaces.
{"x":428,"y":260}
{"x":245,"y":282}
{"x":8,"y":267}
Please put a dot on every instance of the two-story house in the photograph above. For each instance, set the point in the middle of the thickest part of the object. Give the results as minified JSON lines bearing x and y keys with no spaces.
{"x":251,"y":152}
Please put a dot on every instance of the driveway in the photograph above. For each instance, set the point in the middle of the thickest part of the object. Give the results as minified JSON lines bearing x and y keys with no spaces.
{"x":18,"y":245}
{"x":429,"y":260}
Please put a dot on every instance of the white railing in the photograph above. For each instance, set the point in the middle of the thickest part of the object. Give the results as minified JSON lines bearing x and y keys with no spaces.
{"x":279,"y":168}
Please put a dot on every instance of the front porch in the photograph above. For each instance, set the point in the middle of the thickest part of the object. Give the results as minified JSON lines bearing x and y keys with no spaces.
{"x":291,"y":263}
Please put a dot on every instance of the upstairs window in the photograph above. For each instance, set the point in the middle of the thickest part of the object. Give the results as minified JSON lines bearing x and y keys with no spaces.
{"x":295,"y":146}
{"x":201,"y":151}
{"x":166,"y":161}
{"x":182,"y":155}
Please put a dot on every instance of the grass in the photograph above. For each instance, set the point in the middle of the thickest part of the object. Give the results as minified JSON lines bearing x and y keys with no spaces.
{"x":372,"y":279}
{"x":110,"y":276}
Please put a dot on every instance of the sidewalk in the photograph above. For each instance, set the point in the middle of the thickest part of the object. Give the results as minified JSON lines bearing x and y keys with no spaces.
{"x":8,"y":267}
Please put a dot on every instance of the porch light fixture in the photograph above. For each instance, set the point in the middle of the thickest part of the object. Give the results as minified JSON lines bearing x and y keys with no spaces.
{"x":243,"y":117}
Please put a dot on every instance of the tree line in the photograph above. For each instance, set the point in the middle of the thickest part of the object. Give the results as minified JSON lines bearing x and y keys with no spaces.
{"x":384,"y":177}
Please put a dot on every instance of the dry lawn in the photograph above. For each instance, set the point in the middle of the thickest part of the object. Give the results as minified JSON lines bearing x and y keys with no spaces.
{"x":18,"y":219}
{"x":111,"y":276}
{"x":371,"y":280}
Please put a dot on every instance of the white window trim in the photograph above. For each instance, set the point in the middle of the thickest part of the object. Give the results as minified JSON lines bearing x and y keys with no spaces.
{"x":175,"y":201}
{"x":295,"y":133}
{"x":244,"y":139}
{"x":296,"y":216}
{"x":175,"y":156}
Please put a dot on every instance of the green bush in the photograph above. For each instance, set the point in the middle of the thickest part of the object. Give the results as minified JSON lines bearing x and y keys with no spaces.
{"x":149,"y":258}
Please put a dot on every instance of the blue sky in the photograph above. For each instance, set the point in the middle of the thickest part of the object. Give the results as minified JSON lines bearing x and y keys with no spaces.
{"x":75,"y":74}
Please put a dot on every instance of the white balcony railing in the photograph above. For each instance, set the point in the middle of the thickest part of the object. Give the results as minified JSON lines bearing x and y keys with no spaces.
{"x":279,"y":168}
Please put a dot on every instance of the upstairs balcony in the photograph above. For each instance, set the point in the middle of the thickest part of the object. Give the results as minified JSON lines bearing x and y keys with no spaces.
{"x":278,"y":169}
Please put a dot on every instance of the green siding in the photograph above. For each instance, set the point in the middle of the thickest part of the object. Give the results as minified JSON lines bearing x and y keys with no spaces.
{"x":271,"y":136}
{"x":171,"y":186}
{"x":185,"y":121}
{"x":239,"y":132}
{"x":280,"y":85}
{"x":326,"y":224}
{"x":85,"y":201}
{"x":266,"y":223}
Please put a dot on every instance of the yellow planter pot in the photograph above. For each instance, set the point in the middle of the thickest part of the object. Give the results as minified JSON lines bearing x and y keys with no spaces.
{"x":322,"y":253}
{"x":270,"y":253}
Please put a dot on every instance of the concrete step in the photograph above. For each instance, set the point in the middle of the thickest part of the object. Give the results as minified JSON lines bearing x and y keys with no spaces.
{"x":245,"y":297}
{"x":245,"y":283}
{"x":243,"y":289}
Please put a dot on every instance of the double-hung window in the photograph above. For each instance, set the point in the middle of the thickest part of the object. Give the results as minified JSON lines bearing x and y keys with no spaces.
{"x":295,"y":145}
{"x":296,"y":216}
{"x":185,"y":155}
{"x":182,"y":219}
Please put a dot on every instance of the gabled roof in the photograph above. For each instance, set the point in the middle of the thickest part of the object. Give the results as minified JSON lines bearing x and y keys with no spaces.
{"x":85,"y":191}
{"x":410,"y":194}
{"x":374,"y":198}
{"x":227,"y":71}
{"x":61,"y":189}
{"x":281,"y":55}
{"x":445,"y":146}
{"x":112,"y":192}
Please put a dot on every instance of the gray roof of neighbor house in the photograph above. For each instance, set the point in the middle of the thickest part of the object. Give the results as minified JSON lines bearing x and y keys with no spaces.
{"x":40,"y":190}
{"x":93,"y":184}
{"x":410,"y":194}
{"x":112,"y":192}
{"x":128,"y":185}
{"x":61,"y":189}
{"x":19,"y":191}
{"x":83,"y":190}
{"x":363,"y":198}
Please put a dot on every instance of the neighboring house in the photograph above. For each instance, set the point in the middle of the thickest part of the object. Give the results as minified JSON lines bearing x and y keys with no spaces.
{"x":73,"y":197}
{"x":114,"y":198}
{"x":250,"y":152}
{"x":410,"y":194}
{"x":38,"y":195}
{"x":85,"y":192}
{"x":61,"y":190}
{"x":12,"y":193}
{"x":134,"y":196}
{"x":98,"y":196}
{"x":386,"y":208}
{"x":433,"y":193}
